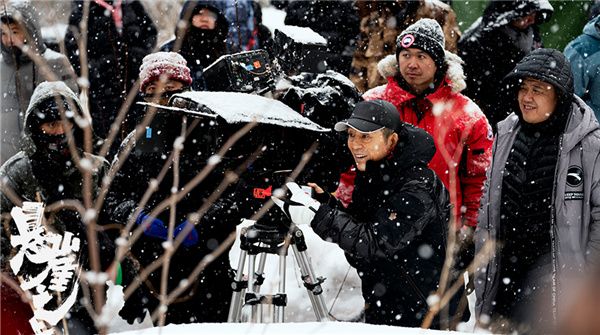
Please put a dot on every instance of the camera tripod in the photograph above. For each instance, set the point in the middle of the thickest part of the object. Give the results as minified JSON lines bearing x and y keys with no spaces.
{"x":262,"y":240}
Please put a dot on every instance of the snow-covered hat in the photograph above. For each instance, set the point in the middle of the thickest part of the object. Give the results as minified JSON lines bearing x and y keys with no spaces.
{"x":427,"y":35}
{"x":169,"y":64}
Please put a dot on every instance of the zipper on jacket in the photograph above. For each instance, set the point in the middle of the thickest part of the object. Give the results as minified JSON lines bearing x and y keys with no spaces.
{"x":487,"y":268}
{"x":553,"y":235}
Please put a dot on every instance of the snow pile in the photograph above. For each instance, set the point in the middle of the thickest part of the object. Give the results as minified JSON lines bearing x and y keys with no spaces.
{"x":273,"y":18}
{"x":303,"y":35}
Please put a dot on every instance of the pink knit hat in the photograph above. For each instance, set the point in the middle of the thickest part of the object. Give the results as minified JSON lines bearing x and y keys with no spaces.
{"x":170,"y":64}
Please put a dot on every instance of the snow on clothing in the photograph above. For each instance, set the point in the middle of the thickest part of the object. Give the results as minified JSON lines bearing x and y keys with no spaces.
{"x":199,"y":47}
{"x":459,"y":129}
{"x":208,"y":298}
{"x":380,"y":24}
{"x":572,"y":222}
{"x":114,"y":55}
{"x":491,"y":47}
{"x":394,"y":231}
{"x":35,"y":171}
{"x":336,"y":21}
{"x":584,"y":55}
{"x":19,"y":75}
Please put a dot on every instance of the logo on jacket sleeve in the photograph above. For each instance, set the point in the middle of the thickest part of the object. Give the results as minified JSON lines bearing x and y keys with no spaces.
{"x":574,"y":176}
{"x":574,"y":180}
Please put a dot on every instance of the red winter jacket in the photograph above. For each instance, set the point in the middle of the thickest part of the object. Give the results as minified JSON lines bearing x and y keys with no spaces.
{"x":462,"y":134}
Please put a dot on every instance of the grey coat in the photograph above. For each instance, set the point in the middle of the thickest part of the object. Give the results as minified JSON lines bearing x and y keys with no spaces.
{"x":20,"y":75}
{"x":17,"y":173}
{"x":575,"y":222}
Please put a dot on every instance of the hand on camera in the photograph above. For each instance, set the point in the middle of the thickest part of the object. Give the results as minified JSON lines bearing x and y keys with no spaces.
{"x":300,"y":207}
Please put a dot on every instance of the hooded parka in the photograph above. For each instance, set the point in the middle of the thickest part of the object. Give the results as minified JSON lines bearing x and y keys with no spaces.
{"x":572,"y":228}
{"x":38,"y":173}
{"x":584,"y":55}
{"x":199,"y":47}
{"x":491,"y":47}
{"x":19,"y":74}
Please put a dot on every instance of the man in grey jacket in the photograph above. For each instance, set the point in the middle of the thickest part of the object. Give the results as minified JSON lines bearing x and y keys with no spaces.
{"x":541,"y":203}
{"x":20,"y":74}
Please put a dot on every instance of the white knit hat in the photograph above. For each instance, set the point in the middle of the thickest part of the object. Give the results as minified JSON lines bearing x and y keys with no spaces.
{"x":170,"y":64}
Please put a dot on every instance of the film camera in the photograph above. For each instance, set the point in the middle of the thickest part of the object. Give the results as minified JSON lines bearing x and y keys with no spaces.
{"x":248,"y":71}
{"x":296,"y":49}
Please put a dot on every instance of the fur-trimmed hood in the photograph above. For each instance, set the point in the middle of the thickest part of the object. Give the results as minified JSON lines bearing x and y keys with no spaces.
{"x":388,"y":67}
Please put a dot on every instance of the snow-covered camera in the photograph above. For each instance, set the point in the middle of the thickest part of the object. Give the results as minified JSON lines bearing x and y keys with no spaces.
{"x":300,"y":49}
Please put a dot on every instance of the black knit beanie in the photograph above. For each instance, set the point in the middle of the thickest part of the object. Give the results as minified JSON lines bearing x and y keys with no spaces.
{"x":426,"y":35}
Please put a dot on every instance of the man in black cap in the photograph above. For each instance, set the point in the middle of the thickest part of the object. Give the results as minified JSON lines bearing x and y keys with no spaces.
{"x":394,"y":231}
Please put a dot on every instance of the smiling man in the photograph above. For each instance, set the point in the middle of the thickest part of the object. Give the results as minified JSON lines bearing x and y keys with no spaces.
{"x":394,"y":231}
{"x":542,"y":199}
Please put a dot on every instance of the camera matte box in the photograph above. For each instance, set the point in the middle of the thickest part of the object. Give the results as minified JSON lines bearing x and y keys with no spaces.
{"x":295,"y":57}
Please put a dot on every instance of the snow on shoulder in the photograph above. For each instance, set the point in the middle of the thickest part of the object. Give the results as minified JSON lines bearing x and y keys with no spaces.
{"x":303,"y":35}
{"x":236,"y":107}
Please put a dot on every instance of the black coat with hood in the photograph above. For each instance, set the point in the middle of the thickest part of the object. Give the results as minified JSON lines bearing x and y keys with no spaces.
{"x":113,"y":56}
{"x":40,"y":171}
{"x":199,"y":47}
{"x":491,"y":48}
{"x":394,"y":231}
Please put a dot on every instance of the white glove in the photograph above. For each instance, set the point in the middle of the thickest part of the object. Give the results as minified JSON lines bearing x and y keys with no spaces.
{"x":300,"y":207}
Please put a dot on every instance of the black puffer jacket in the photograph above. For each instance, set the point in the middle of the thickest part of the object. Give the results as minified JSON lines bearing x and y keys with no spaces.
{"x":199,"y":47}
{"x":113,"y":57}
{"x":394,"y":231}
{"x":491,"y":47}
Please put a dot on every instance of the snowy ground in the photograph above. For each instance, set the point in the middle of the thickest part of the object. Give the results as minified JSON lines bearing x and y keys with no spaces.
{"x":328,"y":261}
{"x":313,"y":328}
{"x":341,"y":292}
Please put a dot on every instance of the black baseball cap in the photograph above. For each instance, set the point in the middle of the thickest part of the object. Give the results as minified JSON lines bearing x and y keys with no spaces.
{"x":370,"y":116}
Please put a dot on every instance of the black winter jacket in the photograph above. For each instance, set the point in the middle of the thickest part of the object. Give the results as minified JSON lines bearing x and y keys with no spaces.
{"x":209,"y":297}
{"x":199,"y":47}
{"x":491,"y":48}
{"x":113,"y":58}
{"x":394,"y":231}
